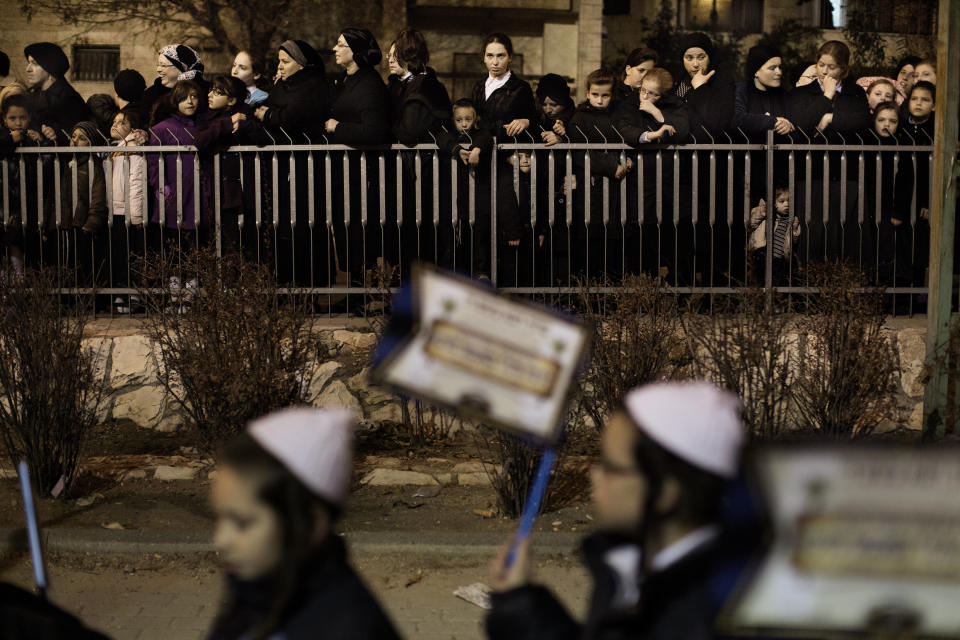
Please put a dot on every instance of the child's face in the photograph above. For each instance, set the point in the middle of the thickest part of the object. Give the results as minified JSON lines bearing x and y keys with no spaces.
{"x":921,"y":104}
{"x":885,"y":123}
{"x":464,"y":118}
{"x":80,"y":139}
{"x":650,"y":90}
{"x":924,"y":72}
{"x":551,"y":108}
{"x":782,"y":203}
{"x":905,"y":77}
{"x":17,"y":119}
{"x":120,"y":128}
{"x":243,"y":69}
{"x":217,"y":99}
{"x":598,"y":95}
{"x":248,"y":533}
{"x":524,"y":159}
{"x":188,"y":106}
{"x":880,"y":93}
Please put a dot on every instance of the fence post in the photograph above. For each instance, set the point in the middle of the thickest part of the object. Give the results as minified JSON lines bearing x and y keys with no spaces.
{"x":943,"y":201}
{"x":771,"y":218}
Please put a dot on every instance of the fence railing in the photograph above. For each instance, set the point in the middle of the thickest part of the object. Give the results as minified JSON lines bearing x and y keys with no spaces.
{"x":333,"y":220}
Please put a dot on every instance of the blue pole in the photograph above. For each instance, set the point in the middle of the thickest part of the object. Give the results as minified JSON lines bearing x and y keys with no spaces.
{"x":532,"y":506}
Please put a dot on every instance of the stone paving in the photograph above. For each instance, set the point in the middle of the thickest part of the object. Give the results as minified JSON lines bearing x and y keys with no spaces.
{"x":163,"y":597}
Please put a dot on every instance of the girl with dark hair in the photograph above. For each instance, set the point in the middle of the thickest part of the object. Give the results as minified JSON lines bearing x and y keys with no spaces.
{"x":506,"y":108}
{"x":422,"y":111}
{"x":277,"y":494}
{"x":638,"y":62}
{"x":250,"y":72}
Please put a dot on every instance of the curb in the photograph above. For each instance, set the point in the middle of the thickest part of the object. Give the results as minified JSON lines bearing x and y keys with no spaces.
{"x":360,"y":542}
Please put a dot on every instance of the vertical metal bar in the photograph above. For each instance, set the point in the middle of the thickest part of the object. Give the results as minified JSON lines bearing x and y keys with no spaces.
{"x":257,"y":193}
{"x":218,"y":232}
{"x":179,"y":165}
{"x":771,"y":221}
{"x":57,"y":195}
{"x":5,"y":164}
{"x":328,"y":189}
{"x":196,"y":193}
{"x":493,"y":214}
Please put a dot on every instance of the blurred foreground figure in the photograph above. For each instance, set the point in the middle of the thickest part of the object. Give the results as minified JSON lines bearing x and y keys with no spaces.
{"x":277,"y":493}
{"x":26,"y":616}
{"x":666,"y":459}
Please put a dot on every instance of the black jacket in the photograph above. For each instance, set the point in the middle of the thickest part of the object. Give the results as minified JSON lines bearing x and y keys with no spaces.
{"x":361,"y":104}
{"x":755,"y":111}
{"x":332,"y":603}
{"x":512,"y":101}
{"x":60,"y":107}
{"x":673,"y":604}
{"x":908,"y":177}
{"x":299,"y":106}
{"x":422,"y":107}
{"x":215,"y":134}
{"x":631,"y":122}
{"x":710,"y":106}
{"x":590,"y":124}
{"x":849,"y":107}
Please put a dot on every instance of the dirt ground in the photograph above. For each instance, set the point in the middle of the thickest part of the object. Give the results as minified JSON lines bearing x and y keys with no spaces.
{"x":101,"y":497}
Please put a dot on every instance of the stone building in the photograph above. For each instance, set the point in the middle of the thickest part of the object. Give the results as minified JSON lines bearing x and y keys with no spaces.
{"x":569,"y":37}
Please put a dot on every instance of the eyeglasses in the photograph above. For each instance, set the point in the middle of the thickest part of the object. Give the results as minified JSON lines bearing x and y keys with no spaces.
{"x":650,"y":94}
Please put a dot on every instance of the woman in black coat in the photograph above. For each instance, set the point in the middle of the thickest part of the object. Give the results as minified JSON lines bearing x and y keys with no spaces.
{"x":294,"y":113}
{"x":359,"y":116}
{"x":55,"y":105}
{"x":505,"y":105}
{"x":829,"y":107}
{"x":421,"y":114}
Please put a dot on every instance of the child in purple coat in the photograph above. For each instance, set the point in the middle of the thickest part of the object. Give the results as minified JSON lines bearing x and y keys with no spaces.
{"x":175,"y":204}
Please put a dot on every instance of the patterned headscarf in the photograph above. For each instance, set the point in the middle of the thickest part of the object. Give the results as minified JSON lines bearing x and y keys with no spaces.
{"x":185,"y":59}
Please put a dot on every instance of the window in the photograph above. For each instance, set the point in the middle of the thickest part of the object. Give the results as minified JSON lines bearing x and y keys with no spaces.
{"x":894,"y":16}
{"x":616,"y":7}
{"x":95,"y":63}
{"x":731,"y":15}
{"x":468,"y":69}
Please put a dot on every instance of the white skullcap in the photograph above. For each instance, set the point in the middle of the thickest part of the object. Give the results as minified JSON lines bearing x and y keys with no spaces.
{"x":695,"y":421}
{"x":316,"y":445}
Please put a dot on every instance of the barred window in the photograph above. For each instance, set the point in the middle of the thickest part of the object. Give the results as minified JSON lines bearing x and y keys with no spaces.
{"x":95,"y":63}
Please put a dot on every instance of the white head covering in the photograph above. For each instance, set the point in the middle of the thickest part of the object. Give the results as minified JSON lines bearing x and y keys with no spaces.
{"x":316,"y":445}
{"x":695,"y":421}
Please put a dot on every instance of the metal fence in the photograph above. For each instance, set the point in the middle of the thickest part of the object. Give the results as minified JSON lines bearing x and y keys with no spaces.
{"x":333,"y":220}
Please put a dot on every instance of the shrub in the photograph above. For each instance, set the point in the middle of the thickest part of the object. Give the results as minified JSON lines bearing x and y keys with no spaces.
{"x":50,"y":389}
{"x":745,"y":347}
{"x":847,"y":367}
{"x":635,"y":342}
{"x":231,"y":345}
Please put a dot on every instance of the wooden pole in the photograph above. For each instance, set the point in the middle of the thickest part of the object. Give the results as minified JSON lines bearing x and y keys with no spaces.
{"x":942,"y":222}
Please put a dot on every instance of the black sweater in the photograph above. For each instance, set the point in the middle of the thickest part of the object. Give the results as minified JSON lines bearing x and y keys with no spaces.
{"x":422,"y":108}
{"x":631,"y":122}
{"x":361,"y":105}
{"x":756,"y":111}
{"x":908,"y":177}
{"x":710,"y":106}
{"x":512,"y":101}
{"x":299,"y":106}
{"x":849,"y":107}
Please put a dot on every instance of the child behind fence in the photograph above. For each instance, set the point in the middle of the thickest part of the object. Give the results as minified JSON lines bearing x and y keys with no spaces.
{"x":786,"y":230}
{"x":127,"y":199}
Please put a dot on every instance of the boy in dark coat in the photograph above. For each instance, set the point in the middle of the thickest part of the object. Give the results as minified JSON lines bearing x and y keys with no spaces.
{"x":666,"y":459}
{"x":56,"y":105}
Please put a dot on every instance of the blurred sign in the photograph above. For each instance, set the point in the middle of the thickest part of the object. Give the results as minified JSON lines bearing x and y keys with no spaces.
{"x":866,"y":539}
{"x":466,"y":347}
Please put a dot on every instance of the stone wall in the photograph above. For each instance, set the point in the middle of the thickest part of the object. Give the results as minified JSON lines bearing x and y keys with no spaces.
{"x":126,"y":356}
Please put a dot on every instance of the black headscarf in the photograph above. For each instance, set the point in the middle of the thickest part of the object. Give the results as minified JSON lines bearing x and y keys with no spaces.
{"x":364,"y":46}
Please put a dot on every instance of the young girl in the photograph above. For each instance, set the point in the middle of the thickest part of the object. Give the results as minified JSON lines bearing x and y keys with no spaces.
{"x":127,"y":199}
{"x":228,"y":121}
{"x":251,"y":75}
{"x":878,"y":181}
{"x":638,"y":62}
{"x":175,"y":210}
{"x":277,"y":494}
{"x":881,"y":90}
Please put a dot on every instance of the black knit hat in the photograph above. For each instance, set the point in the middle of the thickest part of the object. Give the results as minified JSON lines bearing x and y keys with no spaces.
{"x":554,"y":87}
{"x":130,"y":85}
{"x":696,"y":39}
{"x":4,"y":64}
{"x":364,"y":46}
{"x":90,"y":130}
{"x":49,"y":56}
{"x":757,"y":57}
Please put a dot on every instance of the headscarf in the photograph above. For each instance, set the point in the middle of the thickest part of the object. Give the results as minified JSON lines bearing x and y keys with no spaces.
{"x":364,"y":46}
{"x":554,"y":87}
{"x":697,"y":39}
{"x":757,"y":57}
{"x":50,"y":57}
{"x":130,"y":85}
{"x":185,"y":59}
{"x":301,"y":52}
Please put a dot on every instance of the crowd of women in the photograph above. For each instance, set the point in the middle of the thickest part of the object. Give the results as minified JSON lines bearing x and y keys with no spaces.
{"x":685,"y":219}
